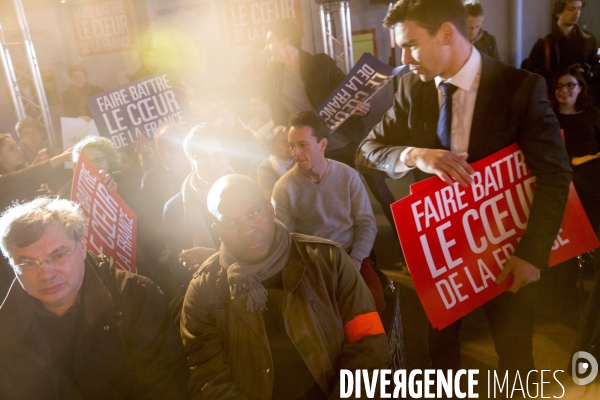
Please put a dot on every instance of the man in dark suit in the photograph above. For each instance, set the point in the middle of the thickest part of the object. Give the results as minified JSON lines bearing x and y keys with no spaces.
{"x":485,"y":106}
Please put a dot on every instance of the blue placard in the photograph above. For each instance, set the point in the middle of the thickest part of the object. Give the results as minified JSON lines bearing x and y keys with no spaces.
{"x":365,"y":79}
{"x":139,"y":108}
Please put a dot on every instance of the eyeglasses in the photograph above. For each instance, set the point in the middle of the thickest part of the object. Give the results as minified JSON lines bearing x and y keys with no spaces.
{"x":569,"y":86}
{"x":57,"y":259}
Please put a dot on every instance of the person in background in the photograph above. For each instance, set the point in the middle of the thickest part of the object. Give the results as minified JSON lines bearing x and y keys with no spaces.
{"x":142,"y":154}
{"x":279,"y":162}
{"x":159,"y":185}
{"x":101,"y":152}
{"x":566,"y":45}
{"x":580,"y":122}
{"x":164,"y":180}
{"x":19,"y":181}
{"x":274,"y":315}
{"x":300,"y":81}
{"x":245,"y":149}
{"x":147,"y":64}
{"x":34,"y":141}
{"x":135,"y":160}
{"x":186,"y":221}
{"x":74,"y":97}
{"x":71,"y":326}
{"x":105,"y":157}
{"x":481,"y":39}
{"x":261,"y":116}
{"x":11,"y":155}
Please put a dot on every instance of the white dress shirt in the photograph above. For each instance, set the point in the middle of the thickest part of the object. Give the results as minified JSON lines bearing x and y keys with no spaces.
{"x":463,"y":106}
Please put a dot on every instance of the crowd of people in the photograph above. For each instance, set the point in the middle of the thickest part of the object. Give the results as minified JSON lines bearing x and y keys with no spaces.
{"x":256,"y":275}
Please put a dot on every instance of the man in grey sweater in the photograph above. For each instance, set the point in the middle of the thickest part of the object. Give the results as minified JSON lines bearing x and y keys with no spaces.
{"x":323,"y":197}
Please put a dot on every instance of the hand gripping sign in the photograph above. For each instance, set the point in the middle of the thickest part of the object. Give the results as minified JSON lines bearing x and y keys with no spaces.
{"x":366,"y":78}
{"x":111,"y":225}
{"x":456,"y":240}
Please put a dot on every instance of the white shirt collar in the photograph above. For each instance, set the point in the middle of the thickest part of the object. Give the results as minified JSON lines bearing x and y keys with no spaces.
{"x":465,"y":77}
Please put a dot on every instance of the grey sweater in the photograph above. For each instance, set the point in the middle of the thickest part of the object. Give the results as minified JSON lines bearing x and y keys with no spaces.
{"x":337,"y":208}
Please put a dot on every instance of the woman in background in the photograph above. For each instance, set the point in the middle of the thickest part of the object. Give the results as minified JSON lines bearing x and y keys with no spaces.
{"x":580,"y":122}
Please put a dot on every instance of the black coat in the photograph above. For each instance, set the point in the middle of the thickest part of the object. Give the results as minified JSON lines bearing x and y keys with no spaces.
{"x":126,"y":344}
{"x":486,"y":44}
{"x":578,"y":48}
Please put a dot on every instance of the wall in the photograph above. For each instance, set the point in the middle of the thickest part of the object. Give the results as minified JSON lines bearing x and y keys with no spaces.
{"x":213,"y":63}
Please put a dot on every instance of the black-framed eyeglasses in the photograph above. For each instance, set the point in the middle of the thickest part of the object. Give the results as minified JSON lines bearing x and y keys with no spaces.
{"x":569,"y":86}
{"x":32,"y":266}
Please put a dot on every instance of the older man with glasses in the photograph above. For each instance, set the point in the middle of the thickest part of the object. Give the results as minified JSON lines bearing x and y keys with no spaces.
{"x":72,"y":327}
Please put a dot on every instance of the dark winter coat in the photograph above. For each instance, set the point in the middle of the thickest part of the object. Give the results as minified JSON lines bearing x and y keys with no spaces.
{"x":227,"y":346}
{"x":126,"y":346}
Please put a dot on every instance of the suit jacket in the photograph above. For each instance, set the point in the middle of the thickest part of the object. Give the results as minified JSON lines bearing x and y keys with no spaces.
{"x":321,"y":77}
{"x":511,"y":107}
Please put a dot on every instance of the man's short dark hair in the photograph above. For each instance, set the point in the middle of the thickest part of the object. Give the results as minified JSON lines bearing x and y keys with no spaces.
{"x":558,"y":6}
{"x":286,"y":28}
{"x":429,"y":14}
{"x":312,"y":120}
{"x":474,"y":9}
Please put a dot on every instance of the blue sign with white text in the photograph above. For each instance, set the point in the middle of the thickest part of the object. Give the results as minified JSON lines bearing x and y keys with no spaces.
{"x":138,"y":108}
{"x":365,"y":79}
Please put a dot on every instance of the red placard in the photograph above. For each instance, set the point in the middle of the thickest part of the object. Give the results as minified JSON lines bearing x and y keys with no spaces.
{"x":112,"y":226}
{"x":456,"y":240}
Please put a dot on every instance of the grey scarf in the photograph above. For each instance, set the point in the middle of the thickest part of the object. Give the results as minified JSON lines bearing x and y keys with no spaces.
{"x":245,"y":278}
